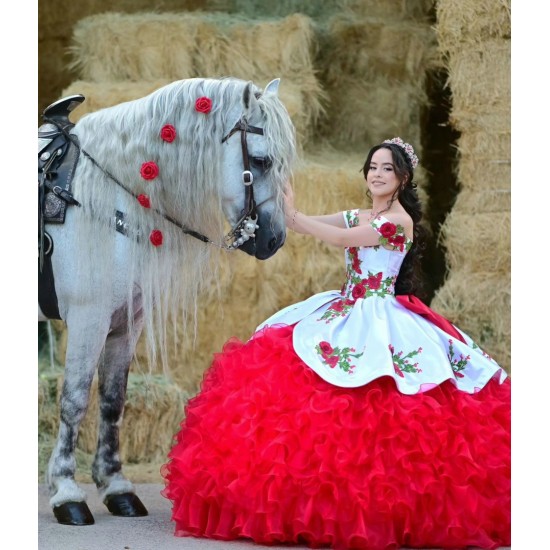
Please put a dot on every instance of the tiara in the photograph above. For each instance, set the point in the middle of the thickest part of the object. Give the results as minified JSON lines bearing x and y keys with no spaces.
{"x":407,"y":147}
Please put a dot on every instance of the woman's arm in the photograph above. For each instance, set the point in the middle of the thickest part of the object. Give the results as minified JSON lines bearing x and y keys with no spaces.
{"x":330,"y":234}
{"x":336,"y":234}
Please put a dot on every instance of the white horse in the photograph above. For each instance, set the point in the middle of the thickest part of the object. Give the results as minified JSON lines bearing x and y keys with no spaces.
{"x":154,"y":184}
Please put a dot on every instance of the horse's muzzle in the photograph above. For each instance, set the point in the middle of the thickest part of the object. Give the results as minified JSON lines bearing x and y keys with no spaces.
{"x":264,"y":245}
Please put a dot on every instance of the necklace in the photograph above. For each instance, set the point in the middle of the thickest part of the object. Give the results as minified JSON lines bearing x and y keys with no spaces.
{"x":373,"y":215}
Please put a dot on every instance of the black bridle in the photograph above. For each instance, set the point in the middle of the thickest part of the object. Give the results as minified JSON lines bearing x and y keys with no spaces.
{"x":245,"y":227}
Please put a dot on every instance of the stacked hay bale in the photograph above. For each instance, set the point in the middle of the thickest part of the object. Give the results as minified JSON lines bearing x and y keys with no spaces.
{"x":474,"y":37}
{"x":374,"y":70}
{"x":126,"y":56}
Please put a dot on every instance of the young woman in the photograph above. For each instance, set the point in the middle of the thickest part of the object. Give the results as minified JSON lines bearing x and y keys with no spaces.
{"x":357,"y":418}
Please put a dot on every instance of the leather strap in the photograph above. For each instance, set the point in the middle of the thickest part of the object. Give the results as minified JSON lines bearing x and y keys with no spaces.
{"x":47,"y":297}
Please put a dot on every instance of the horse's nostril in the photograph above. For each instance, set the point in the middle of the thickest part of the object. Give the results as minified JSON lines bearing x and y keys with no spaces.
{"x":273,"y":243}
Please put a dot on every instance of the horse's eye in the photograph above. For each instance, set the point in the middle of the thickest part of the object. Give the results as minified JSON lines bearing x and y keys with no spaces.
{"x":261,"y":163}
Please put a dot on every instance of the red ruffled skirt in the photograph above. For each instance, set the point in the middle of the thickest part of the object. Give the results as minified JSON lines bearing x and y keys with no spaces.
{"x":270,"y":452}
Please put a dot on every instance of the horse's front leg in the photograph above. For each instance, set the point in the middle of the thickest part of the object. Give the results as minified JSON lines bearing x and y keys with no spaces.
{"x":85,"y":339}
{"x":115,"y":490}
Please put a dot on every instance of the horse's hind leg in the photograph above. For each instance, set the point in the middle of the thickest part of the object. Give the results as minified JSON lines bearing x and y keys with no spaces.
{"x":115,"y":490}
{"x":86,"y":336}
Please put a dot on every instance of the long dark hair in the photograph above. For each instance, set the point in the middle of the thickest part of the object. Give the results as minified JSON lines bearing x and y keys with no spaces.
{"x":410,"y":279}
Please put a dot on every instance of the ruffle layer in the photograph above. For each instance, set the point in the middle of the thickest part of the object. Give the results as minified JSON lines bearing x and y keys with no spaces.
{"x":271,"y":452}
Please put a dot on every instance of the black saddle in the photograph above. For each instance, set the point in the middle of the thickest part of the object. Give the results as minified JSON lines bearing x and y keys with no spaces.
{"x":57,"y":159}
{"x":58,"y":156}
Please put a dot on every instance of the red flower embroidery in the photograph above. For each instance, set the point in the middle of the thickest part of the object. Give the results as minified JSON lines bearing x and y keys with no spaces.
{"x":397,"y":240}
{"x":332,"y":361}
{"x":149,"y":170}
{"x":168,"y":133}
{"x":203,"y":105}
{"x":326,"y":348}
{"x":144,"y":201}
{"x":374,"y":281}
{"x":156,"y":237}
{"x":398,"y":370}
{"x":337,"y":306}
{"x":358,"y":292}
{"x":387,"y":229}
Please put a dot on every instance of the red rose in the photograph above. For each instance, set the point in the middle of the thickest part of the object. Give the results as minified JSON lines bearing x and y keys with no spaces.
{"x":358,"y":291}
{"x":325,"y":348}
{"x":156,"y":237}
{"x":374,"y":281}
{"x":331,"y":361}
{"x":337,"y":306}
{"x":387,"y":229}
{"x":398,"y":371}
{"x":149,"y":170}
{"x":168,"y":133}
{"x":397,"y":240}
{"x":203,"y":105}
{"x":144,"y":201}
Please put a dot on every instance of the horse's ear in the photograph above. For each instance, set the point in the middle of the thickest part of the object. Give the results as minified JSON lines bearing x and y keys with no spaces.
{"x":247,"y":95}
{"x":273,"y":86}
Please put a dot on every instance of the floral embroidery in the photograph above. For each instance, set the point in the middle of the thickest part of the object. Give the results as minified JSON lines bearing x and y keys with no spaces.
{"x":355,"y":262}
{"x":484,"y":353}
{"x":393,"y":235}
{"x":457,"y":364}
{"x":351,"y":217}
{"x":337,"y":357}
{"x":340,"y":308}
{"x":401,"y":362}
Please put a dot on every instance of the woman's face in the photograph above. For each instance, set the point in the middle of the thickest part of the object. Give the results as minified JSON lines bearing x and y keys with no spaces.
{"x":382,"y":180}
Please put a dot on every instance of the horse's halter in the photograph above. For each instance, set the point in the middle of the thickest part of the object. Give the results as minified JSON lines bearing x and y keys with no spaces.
{"x":245,"y":227}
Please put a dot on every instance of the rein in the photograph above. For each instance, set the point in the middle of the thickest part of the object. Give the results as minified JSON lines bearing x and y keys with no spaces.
{"x":245,"y":227}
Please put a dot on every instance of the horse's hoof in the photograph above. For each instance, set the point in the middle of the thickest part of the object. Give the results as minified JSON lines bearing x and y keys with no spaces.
{"x":73,"y":513}
{"x":125,"y":504}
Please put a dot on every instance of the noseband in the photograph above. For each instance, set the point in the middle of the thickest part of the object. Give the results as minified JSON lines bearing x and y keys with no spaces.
{"x":245,"y":227}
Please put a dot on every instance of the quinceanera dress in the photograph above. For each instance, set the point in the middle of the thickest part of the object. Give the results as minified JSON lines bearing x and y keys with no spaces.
{"x":353,"y":419}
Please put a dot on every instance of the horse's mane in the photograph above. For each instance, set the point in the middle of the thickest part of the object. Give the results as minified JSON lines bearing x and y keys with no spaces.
{"x":120,"y":139}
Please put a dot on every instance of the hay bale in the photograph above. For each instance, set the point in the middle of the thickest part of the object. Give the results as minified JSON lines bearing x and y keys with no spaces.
{"x":479,"y":242}
{"x":368,"y":47}
{"x":472,"y":20}
{"x":296,"y":97}
{"x":154,"y":407}
{"x":149,"y":46}
{"x":478,"y":200}
{"x":480,"y":76}
{"x":367,"y":111}
{"x":373,"y":72}
{"x":479,"y":303}
{"x":389,"y":9}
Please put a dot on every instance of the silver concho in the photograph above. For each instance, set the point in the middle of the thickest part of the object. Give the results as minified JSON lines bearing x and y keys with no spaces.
{"x":52,"y":206}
